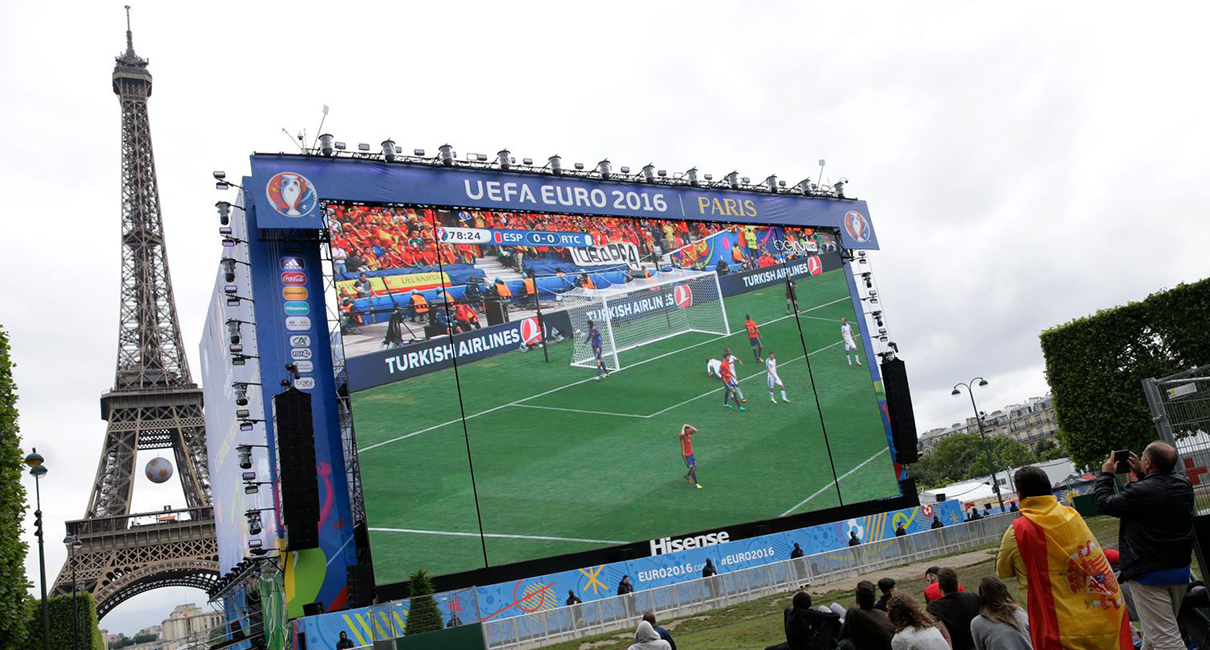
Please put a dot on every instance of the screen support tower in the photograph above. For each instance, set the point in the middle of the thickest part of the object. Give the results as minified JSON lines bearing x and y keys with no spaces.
{"x":153,"y":404}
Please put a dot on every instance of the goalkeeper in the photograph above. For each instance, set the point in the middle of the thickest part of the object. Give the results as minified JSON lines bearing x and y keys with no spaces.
{"x":594,"y":340}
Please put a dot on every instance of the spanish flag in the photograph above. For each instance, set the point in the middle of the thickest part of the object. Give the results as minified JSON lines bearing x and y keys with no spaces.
{"x":1074,"y":599}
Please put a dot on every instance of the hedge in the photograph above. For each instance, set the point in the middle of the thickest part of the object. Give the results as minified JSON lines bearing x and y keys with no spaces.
{"x":1095,"y":366}
{"x":60,"y":623}
{"x":15,"y":612}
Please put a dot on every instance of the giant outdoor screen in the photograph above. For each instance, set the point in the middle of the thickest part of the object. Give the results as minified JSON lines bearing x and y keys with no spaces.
{"x":526,"y":385}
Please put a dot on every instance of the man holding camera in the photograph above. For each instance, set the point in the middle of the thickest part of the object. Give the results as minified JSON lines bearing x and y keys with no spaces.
{"x":1155,"y":537}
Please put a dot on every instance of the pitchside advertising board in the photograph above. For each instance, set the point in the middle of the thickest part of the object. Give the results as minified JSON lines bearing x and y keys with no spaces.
{"x":507,"y":395}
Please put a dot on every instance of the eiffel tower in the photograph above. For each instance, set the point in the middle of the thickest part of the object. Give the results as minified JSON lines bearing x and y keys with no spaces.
{"x":153,"y":404}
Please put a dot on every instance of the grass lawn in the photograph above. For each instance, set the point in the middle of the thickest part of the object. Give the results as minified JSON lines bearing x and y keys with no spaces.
{"x":757,"y":624}
{"x":566,"y":463}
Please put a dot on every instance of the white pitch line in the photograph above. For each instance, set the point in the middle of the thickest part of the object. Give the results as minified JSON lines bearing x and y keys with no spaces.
{"x":449,"y":533}
{"x":576,"y":383}
{"x":556,"y":408}
{"x":837,"y":481}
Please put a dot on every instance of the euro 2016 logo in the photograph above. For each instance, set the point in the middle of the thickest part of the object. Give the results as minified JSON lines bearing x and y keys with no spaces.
{"x":857,"y":226}
{"x":292,"y":195}
{"x":683,"y":297}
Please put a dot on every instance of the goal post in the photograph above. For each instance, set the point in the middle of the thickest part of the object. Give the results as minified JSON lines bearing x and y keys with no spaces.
{"x":640,"y":312}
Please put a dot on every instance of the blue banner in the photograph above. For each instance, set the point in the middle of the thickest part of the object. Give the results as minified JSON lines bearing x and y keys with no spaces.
{"x":287,"y":189}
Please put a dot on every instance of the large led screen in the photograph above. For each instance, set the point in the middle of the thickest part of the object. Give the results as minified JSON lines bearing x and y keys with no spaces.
{"x":530,"y":385}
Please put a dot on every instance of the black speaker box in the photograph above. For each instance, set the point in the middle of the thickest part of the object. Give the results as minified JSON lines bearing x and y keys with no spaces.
{"x":497,"y":312}
{"x":899,"y":409}
{"x":296,"y":455}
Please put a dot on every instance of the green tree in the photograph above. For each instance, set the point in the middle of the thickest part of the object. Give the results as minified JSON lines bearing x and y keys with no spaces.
{"x":1049,"y":450}
{"x":962,"y":456}
{"x":16,"y":613}
{"x":423,"y":615}
{"x":1095,"y":366}
{"x":60,"y":623}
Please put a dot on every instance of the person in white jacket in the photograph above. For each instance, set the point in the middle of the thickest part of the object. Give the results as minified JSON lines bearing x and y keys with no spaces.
{"x":645,"y":638}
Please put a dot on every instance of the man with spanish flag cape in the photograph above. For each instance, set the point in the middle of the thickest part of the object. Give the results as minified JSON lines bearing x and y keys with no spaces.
{"x":1074,"y":599}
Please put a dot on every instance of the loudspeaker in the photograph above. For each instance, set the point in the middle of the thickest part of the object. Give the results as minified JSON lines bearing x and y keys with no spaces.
{"x":311,"y":609}
{"x":899,"y":410}
{"x":361,"y":585}
{"x":299,"y":481}
{"x":940,"y":497}
{"x":433,"y":330}
{"x":497,"y":312}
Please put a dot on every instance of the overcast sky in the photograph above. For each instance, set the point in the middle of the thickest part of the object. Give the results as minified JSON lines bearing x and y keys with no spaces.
{"x":1024,"y":164}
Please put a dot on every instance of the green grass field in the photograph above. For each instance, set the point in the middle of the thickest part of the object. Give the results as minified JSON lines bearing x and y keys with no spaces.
{"x":565,"y":463}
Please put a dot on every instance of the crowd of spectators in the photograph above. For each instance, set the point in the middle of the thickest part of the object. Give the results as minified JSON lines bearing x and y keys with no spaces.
{"x":1078,"y":594}
{"x":369,"y":238}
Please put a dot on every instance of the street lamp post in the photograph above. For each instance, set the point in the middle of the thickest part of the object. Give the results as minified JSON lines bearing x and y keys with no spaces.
{"x":36,"y":467}
{"x":983,"y":436}
{"x":73,"y":545}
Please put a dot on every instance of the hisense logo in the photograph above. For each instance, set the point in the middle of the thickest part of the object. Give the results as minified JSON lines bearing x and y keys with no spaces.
{"x":670,"y":545}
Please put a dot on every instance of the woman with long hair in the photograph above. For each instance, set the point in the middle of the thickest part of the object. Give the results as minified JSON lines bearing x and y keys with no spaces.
{"x":914,"y":628}
{"x":1001,"y":623}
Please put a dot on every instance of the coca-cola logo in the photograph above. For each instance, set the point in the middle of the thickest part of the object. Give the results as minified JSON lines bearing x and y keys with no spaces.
{"x":293,"y":277}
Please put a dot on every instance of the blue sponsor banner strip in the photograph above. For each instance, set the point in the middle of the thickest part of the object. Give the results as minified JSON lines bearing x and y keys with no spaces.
{"x":286,"y":190}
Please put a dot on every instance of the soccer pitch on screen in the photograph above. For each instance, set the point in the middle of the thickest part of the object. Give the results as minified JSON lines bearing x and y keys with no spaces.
{"x":565,"y":462}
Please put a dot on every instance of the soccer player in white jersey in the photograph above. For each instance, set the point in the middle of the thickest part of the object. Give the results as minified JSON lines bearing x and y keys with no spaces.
{"x":735,"y":363}
{"x":846,"y":332}
{"x":773,"y":380}
{"x":712,"y":368}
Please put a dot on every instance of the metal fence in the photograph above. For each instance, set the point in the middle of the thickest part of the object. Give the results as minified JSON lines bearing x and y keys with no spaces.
{"x":1180,"y":405}
{"x":622,"y":612}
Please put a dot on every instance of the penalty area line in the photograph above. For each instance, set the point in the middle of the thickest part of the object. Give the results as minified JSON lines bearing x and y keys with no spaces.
{"x":836,"y":482}
{"x":450,"y":533}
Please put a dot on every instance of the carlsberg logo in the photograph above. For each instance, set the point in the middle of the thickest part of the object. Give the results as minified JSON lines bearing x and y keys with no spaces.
{"x":670,"y":545}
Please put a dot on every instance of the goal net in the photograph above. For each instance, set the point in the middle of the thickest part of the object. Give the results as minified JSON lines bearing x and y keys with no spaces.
{"x":644,"y":311}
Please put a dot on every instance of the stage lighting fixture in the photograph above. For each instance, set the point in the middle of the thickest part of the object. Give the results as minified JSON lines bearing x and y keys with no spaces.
{"x":326,"y":144}
{"x":254,"y":523}
{"x":225,"y":231}
{"x":236,"y":348}
{"x":242,"y":413}
{"x":228,"y":264}
{"x":708,"y":177}
{"x":839,"y":187}
{"x":605,"y":169}
{"x":245,"y":426}
{"x":241,"y":395}
{"x":579,"y":166}
{"x":292,"y":370}
{"x":732,"y":180}
{"x":882,"y":330}
{"x":224,"y":212}
{"x":868,"y":281}
{"x":419,"y":153}
{"x":504,"y":158}
{"x":625,"y":170}
{"x":228,"y":242}
{"x":233,"y":301}
{"x":873,"y":292}
{"x":388,"y":150}
{"x":254,"y":543}
{"x":745,"y":180}
{"x":245,"y":456}
{"x":662,"y":173}
{"x":238,"y":361}
{"x":445,"y":153}
{"x":649,"y":173}
{"x":340,"y":146}
{"x":556,"y":165}
{"x":230,"y":288}
{"x":692,"y":176}
{"x":528,"y":162}
{"x":252,"y":489}
{"x":363,"y":146}
{"x":771,"y":183}
{"x":219,"y":175}
{"x":222,"y":185}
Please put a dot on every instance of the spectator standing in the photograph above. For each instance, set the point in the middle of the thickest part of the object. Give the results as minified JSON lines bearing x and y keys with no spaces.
{"x":955,"y":609}
{"x":1155,"y":538}
{"x":866,"y":628}
{"x":887,"y":587}
{"x":853,"y":539}
{"x":900,"y":531}
{"x":362,"y":286}
{"x":708,"y":572}
{"x":572,"y":598}
{"x":933,"y":590}
{"x":1036,"y":550}
{"x":1014,"y":507}
{"x":624,"y":591}
{"x":345,"y":642}
{"x":649,"y":616}
{"x":1001,"y":624}
{"x":339,"y":258}
{"x":808,"y":628}
{"x":645,"y":638}
{"x":914,"y":628}
{"x":936,"y":523}
{"x":796,"y":552}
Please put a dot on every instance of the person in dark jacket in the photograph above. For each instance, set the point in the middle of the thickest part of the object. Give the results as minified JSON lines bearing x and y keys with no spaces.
{"x":853,"y":539}
{"x":796,"y":552}
{"x":900,"y":531}
{"x":887,"y":587}
{"x":624,"y":590}
{"x":864,"y":627}
{"x":807,"y":627}
{"x":1155,"y":538}
{"x":954,"y":610}
{"x":708,"y":568}
{"x":649,"y":616}
{"x":936,"y":523}
{"x":572,"y":598}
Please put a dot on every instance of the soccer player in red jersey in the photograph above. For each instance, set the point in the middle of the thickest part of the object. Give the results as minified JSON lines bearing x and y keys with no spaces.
{"x":730,"y":385}
{"x":686,"y":436}
{"x":753,"y":337}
